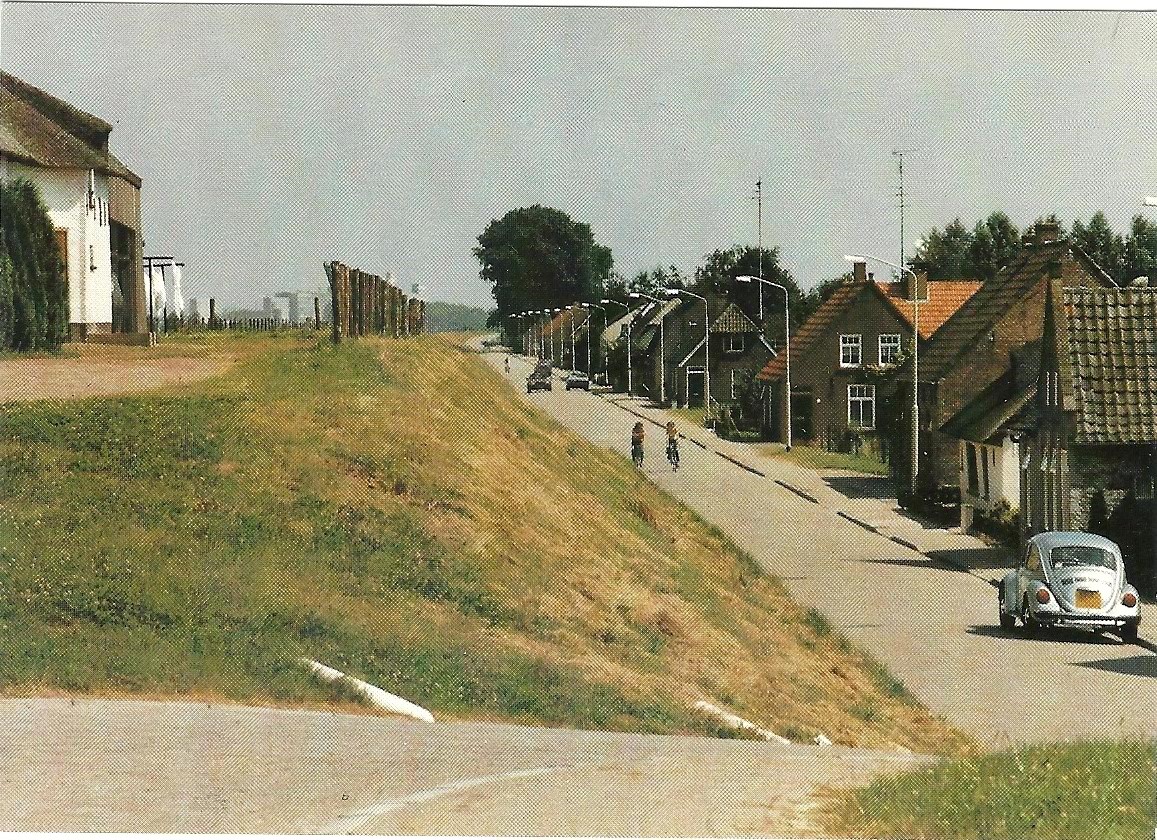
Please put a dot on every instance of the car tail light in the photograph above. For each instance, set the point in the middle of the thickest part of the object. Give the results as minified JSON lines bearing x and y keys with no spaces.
{"x":1129,"y":599}
{"x":1043,"y":596}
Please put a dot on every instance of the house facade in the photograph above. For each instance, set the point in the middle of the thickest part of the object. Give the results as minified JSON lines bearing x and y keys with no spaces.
{"x":1094,"y":426}
{"x":93,"y":201}
{"x":839,"y":354}
{"x":976,"y":346}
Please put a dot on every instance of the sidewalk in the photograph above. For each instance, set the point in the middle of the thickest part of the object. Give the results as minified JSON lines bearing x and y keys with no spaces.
{"x":869,"y":502}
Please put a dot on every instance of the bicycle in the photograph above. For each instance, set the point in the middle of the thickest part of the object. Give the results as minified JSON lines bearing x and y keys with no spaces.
{"x":637,"y":455}
{"x":673,"y":454}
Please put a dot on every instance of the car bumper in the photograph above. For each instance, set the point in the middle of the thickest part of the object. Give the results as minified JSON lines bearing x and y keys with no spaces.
{"x":1062,"y":619}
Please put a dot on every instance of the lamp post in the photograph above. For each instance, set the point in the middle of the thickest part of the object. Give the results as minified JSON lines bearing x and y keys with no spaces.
{"x":589,"y":306}
{"x":706,"y":345}
{"x":544,"y":315}
{"x":627,"y":309}
{"x":662,"y":348}
{"x":554,"y":312}
{"x":786,"y":340}
{"x":570,"y":311}
{"x":915,"y":358}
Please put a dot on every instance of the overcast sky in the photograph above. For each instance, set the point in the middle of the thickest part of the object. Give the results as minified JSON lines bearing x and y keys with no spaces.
{"x":273,"y":138}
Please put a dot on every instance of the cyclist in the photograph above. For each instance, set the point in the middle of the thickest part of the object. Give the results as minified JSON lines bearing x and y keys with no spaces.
{"x":508,"y":364}
{"x":673,"y":445}
{"x":637,"y":444}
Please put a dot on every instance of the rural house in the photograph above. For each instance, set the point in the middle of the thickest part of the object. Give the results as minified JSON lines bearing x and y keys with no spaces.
{"x":860,"y":330}
{"x":92,"y":199}
{"x":976,"y":346}
{"x":654,"y":376}
{"x":1094,"y":425}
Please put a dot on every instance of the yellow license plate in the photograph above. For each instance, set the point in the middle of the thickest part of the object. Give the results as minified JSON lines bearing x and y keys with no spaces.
{"x":1088,"y":600}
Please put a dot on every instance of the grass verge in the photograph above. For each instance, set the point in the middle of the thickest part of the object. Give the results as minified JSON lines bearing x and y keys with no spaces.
{"x":822,"y":459}
{"x":1089,"y":789}
{"x":393,"y":509}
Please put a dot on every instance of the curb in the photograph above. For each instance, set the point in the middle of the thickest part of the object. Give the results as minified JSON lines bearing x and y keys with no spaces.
{"x":803,"y":494}
{"x":867,"y":526}
{"x":739,"y":464}
{"x":376,"y":696}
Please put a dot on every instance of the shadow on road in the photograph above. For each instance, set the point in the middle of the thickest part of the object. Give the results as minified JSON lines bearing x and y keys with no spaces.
{"x":1141,"y":665}
{"x":915,"y":562}
{"x":974,"y":558}
{"x":862,"y":487}
{"x":1045,"y":634}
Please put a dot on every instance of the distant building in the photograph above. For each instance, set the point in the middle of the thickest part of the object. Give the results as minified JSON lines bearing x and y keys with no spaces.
{"x":93,"y":201}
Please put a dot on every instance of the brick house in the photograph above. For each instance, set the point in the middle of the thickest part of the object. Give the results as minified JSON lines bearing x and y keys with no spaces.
{"x":93,"y":201}
{"x":861,"y":328}
{"x":976,"y":345}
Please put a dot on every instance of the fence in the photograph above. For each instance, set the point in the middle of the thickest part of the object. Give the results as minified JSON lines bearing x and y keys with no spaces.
{"x":365,"y":304}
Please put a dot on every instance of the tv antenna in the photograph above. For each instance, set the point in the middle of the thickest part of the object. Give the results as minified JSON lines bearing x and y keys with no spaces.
{"x":899,"y":155}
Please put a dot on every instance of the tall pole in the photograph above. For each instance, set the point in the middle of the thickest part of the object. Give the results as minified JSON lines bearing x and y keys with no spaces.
{"x":573,"y":361}
{"x":759,"y":236}
{"x":627,"y":308}
{"x":152,"y":316}
{"x":706,"y":344}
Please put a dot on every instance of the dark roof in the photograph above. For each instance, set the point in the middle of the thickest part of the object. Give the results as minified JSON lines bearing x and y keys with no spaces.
{"x":815,"y":327}
{"x":1111,"y":375}
{"x":980,"y":313}
{"x":38,"y":128}
{"x":989,"y":412}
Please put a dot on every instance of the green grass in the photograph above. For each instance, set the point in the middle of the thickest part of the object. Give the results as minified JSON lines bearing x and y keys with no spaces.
{"x":1092,"y":789}
{"x":821,"y":459}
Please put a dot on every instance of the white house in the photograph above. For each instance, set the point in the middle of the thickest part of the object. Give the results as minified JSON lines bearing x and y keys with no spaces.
{"x":93,"y":201}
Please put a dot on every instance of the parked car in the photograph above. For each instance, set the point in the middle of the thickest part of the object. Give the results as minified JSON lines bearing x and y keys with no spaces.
{"x":578,"y":379}
{"x":1070,"y":579}
{"x":540,"y":378}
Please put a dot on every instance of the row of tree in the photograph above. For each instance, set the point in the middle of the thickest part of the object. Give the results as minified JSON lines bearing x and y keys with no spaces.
{"x":33,"y":284}
{"x":958,"y":252}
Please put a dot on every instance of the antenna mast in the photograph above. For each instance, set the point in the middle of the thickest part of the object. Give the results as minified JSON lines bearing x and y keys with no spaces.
{"x":759,"y":240}
{"x":899,"y":154}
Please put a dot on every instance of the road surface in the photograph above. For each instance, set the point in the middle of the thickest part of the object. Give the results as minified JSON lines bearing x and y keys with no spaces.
{"x":933,"y":625}
{"x":140,"y":766}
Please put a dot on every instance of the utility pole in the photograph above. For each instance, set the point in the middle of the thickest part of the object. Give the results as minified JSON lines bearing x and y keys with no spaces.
{"x":899,"y":155}
{"x":759,"y":240}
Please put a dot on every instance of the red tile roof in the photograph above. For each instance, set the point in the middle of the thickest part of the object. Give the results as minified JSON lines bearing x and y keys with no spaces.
{"x":813,"y":328}
{"x":944,"y":298}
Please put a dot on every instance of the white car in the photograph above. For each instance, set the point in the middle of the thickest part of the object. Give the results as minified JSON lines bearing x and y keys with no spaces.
{"x":1070,"y":579}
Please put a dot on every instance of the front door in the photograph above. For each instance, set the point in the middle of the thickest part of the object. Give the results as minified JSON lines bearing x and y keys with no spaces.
{"x":695,"y":387}
{"x":802,"y":405}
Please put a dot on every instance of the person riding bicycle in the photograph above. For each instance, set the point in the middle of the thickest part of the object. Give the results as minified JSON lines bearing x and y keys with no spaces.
{"x":637,"y":444}
{"x":672,"y":444}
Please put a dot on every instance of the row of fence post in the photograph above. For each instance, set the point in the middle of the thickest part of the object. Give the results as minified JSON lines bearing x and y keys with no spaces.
{"x":366,"y":304}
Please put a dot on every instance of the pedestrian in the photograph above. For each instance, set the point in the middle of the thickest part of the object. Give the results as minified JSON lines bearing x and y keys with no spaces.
{"x":508,"y":364}
{"x":673,"y":445}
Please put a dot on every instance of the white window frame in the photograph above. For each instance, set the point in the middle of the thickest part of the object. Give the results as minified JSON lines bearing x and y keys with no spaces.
{"x":880,"y":347}
{"x":729,"y":341}
{"x":868,"y":396}
{"x":850,"y":342}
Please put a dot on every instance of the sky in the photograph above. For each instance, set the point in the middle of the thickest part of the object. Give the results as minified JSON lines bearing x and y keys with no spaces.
{"x":273,"y":138}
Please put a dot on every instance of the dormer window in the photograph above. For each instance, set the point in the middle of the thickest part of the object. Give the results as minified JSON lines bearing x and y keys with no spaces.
{"x":851,"y":350}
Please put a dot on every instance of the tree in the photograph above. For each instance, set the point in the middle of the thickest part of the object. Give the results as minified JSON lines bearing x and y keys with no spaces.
{"x":946,"y":254}
{"x":995,"y":241}
{"x":33,"y":284}
{"x":1139,"y":257}
{"x":722,"y":266}
{"x":1104,"y":247}
{"x":537,"y":257}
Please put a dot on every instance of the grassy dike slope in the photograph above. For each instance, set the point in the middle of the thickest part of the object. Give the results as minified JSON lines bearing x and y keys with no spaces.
{"x":393,"y":509}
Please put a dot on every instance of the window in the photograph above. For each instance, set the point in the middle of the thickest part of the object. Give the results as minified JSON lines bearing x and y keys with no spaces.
{"x":862,"y":406}
{"x":1032,"y":559}
{"x":851,"y":350}
{"x":973,"y":479}
{"x":984,"y":472}
{"x":889,"y":348}
{"x":739,"y":379}
{"x":733,"y":343}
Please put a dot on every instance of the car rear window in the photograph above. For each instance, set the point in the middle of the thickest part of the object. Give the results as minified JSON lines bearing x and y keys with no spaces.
{"x":1082,"y":555}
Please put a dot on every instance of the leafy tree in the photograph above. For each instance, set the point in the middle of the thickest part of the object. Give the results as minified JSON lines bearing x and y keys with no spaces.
{"x":1139,"y":255}
{"x":32,"y":275}
{"x":995,"y":241}
{"x":1104,"y":247}
{"x":537,"y":257}
{"x":946,"y":254}
{"x":722,"y":266}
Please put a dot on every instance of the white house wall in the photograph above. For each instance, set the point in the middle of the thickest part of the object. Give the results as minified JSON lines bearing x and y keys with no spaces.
{"x":65,"y":194}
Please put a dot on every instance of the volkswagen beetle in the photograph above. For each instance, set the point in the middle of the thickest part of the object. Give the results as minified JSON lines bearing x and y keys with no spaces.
{"x":1070,"y":579}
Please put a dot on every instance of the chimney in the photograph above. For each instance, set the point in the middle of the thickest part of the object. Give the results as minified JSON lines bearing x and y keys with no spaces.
{"x":860,"y":271}
{"x":921,"y":291}
{"x":1046,"y":232}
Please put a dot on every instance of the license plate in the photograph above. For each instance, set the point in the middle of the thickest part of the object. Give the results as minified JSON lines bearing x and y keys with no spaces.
{"x":1088,"y":600}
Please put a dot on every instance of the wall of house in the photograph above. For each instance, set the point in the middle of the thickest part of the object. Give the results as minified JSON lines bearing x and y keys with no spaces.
{"x":819,"y":370}
{"x":65,"y":194}
{"x":1002,"y":462}
{"x":1115,"y":469}
{"x":125,"y":211}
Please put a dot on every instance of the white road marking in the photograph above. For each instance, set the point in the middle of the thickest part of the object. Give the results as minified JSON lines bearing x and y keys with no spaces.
{"x":351,"y":823}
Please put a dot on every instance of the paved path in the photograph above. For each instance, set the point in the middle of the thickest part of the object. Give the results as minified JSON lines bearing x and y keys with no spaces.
{"x":932,"y":624}
{"x":138,"y":766}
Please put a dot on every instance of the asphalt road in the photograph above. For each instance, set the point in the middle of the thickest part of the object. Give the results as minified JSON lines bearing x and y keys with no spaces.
{"x":933,"y":626}
{"x":139,"y":766}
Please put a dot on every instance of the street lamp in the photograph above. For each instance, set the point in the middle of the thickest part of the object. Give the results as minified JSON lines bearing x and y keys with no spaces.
{"x":706,"y":345}
{"x":627,"y":308}
{"x":588,"y":306}
{"x":554,"y":312}
{"x":662,"y":348}
{"x":854,"y":258}
{"x":786,"y":340}
{"x":570,"y":311}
